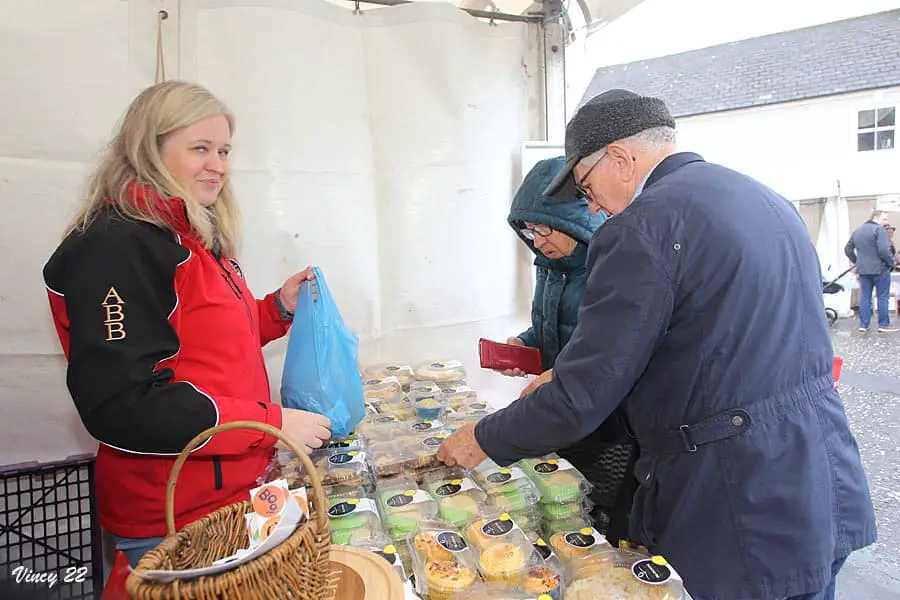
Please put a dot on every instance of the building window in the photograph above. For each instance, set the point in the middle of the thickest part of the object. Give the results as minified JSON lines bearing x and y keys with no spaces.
{"x":875,"y":129}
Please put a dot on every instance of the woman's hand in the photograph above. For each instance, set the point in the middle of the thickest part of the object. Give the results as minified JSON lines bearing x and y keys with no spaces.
{"x":290,"y":290}
{"x":514,"y":341}
{"x":540,"y":380}
{"x":307,"y":429}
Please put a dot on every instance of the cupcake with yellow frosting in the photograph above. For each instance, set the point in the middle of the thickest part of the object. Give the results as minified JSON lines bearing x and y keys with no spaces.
{"x":503,"y":563}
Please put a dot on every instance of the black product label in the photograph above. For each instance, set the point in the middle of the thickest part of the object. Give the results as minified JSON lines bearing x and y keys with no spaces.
{"x":337,"y":445}
{"x":385,"y":420}
{"x":478,"y":406}
{"x":448,"y":489}
{"x":392,"y":368}
{"x":650,"y":572}
{"x":580,"y":540}
{"x":546,"y":467}
{"x":543,"y":550}
{"x":423,"y":426}
{"x":399,"y":500}
{"x":373,"y":382}
{"x":433,"y":441}
{"x":498,"y":477}
{"x":497,"y":527}
{"x":449,"y":390}
{"x":438,"y":365}
{"x":339,"y":459}
{"x":341,"y":508}
{"x":388,"y":556}
{"x":451,"y":541}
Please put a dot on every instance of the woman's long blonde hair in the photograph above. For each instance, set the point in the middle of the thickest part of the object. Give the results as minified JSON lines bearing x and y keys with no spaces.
{"x":133,"y":156}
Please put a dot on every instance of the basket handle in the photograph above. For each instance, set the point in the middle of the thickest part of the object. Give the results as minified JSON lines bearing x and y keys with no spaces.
{"x":318,"y":492}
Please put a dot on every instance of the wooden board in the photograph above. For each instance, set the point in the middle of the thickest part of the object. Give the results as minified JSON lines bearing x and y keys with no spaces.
{"x":364,"y":575}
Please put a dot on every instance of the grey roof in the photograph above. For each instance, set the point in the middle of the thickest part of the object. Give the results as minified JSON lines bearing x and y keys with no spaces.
{"x":834,"y":58}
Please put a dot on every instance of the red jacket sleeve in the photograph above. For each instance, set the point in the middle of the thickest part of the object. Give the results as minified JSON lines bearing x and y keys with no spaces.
{"x":117,"y":377}
{"x":271,"y":325}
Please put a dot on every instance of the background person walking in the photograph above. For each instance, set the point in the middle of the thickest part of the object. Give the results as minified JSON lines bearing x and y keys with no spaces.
{"x":870,"y":250}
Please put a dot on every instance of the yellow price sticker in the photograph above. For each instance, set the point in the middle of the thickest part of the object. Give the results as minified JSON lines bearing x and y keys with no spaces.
{"x":353,"y":501}
{"x":659,"y":560}
{"x":389,"y":549}
{"x":410,"y":493}
{"x":586,"y":531}
{"x":504,"y":517}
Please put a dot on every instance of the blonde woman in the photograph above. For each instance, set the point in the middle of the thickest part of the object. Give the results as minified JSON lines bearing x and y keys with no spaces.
{"x":162,"y":334}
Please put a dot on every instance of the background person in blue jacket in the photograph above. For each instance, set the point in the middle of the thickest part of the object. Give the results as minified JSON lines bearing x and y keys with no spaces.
{"x":703,"y":314}
{"x":870,"y":250}
{"x":558,"y":233}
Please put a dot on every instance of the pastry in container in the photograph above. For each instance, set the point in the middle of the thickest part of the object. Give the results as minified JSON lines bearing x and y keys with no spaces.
{"x":556,"y":479}
{"x":572,"y":545}
{"x":624,"y":575}
{"x":504,"y":550}
{"x":354,"y":520}
{"x":540,"y":579}
{"x":510,"y":484}
{"x":458,"y":395}
{"x":428,"y":406}
{"x":333,"y":467}
{"x":397,"y":406}
{"x":424,"y":387}
{"x":549,"y":528}
{"x":402,"y":372}
{"x":381,"y":388}
{"x":443,"y":562}
{"x":445,"y":372}
{"x":459,"y":499}
{"x":565,"y":512}
{"x":403,"y":506}
{"x":351,"y":442}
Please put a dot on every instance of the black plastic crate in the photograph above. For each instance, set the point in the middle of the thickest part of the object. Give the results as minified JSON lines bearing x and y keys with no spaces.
{"x":49,"y":530}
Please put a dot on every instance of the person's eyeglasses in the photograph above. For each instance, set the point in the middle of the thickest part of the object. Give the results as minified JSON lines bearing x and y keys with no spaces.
{"x":541,"y":230}
{"x":579,"y":185}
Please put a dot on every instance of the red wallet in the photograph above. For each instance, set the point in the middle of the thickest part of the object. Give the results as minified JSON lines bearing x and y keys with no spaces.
{"x":500,"y":357}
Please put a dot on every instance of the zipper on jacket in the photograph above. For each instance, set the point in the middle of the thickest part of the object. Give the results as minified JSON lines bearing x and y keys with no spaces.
{"x":217,"y":471}
{"x":226,"y":274}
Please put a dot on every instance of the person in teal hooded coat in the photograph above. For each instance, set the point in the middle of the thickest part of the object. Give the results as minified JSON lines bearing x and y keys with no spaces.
{"x":559,"y":233}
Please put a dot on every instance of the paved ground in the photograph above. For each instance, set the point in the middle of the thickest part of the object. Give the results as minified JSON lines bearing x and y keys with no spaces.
{"x":870,"y":388}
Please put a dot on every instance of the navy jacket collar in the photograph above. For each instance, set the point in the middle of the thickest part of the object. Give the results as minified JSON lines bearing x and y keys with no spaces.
{"x":670,"y":164}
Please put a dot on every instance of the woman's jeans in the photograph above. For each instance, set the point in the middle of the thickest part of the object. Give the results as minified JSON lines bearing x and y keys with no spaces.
{"x":825,"y":594}
{"x":882,"y":285}
{"x":135,"y":548}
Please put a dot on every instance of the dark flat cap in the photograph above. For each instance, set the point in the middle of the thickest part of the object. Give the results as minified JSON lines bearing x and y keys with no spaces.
{"x":613,"y":115}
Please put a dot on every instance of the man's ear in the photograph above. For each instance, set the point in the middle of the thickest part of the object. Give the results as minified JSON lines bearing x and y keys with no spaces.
{"x":623,"y":161}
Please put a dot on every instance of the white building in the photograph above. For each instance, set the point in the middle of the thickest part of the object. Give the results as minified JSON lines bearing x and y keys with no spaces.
{"x":810,"y":112}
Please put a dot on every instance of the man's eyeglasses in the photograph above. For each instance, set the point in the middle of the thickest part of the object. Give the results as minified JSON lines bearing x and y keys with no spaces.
{"x":542,"y":230}
{"x":579,"y":184}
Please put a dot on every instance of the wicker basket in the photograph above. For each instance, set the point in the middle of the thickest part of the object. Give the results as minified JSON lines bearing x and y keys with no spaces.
{"x":298,"y":568}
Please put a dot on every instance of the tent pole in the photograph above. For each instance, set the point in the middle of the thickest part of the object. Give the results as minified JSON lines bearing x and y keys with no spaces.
{"x":482,"y":14}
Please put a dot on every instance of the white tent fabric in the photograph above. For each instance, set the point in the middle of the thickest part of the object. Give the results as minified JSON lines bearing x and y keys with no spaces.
{"x":383,"y":146}
{"x":833,"y":234}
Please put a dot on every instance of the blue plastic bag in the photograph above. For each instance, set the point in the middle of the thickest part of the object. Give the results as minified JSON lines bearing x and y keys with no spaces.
{"x":321,"y":373}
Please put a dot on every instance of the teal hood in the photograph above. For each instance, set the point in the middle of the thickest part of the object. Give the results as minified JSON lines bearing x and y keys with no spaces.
{"x":530,"y":204}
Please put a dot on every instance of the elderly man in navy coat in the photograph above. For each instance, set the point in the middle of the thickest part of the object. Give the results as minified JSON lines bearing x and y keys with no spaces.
{"x":703,"y":315}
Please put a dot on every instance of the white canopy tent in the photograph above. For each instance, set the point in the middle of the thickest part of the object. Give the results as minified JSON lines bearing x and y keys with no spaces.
{"x":382,"y":144}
